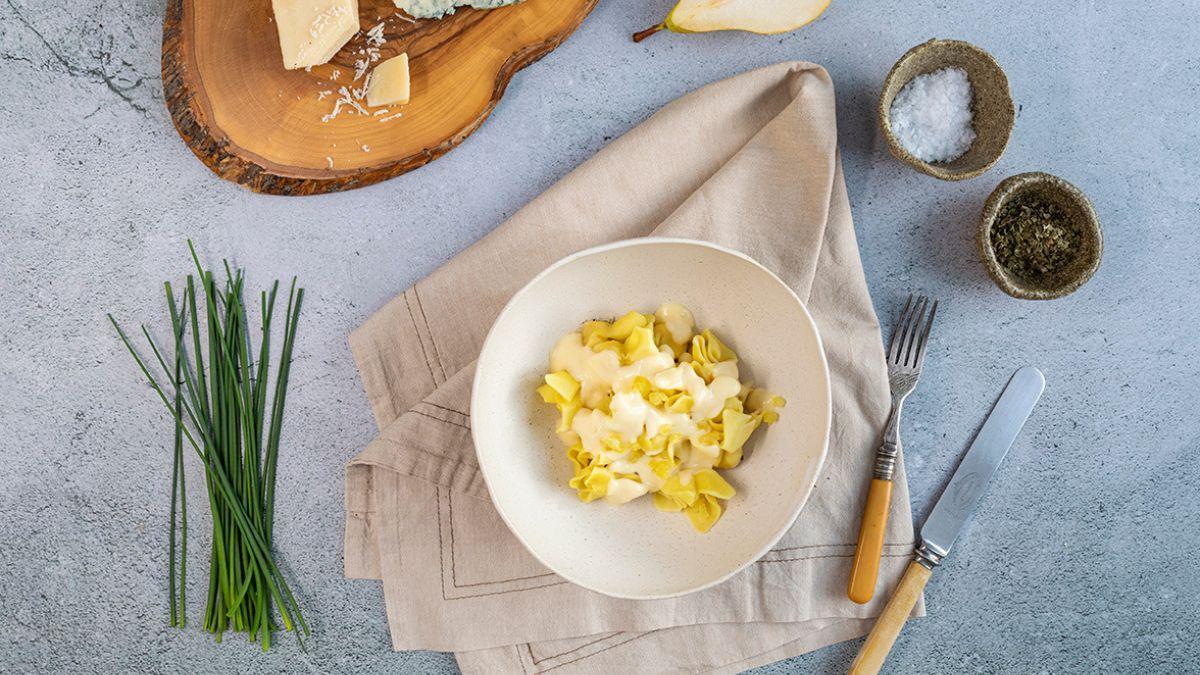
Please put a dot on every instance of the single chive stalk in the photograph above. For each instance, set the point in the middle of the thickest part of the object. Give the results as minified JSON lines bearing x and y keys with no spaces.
{"x":178,"y":495}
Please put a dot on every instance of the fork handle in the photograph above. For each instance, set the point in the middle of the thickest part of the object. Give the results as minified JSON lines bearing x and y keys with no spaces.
{"x":865,"y":570}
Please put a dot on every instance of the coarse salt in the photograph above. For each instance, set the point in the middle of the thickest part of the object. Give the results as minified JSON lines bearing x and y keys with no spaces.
{"x":931,"y":116}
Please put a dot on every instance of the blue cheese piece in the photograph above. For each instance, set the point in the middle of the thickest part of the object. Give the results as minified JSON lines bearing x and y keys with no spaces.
{"x":436,"y":9}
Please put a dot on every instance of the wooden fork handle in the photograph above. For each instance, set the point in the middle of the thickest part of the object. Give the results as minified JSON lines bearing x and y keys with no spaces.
{"x":887,"y":628}
{"x":865,"y":571}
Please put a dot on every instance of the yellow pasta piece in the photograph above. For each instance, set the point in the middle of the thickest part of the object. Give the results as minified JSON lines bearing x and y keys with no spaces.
{"x":609,"y":345}
{"x":683,"y":494}
{"x":623,"y":327}
{"x":662,"y":465}
{"x":704,"y":513}
{"x":765,"y":404}
{"x":594,"y":332}
{"x":592,"y":482}
{"x":709,"y":482}
{"x":680,"y":403}
{"x":736,"y":429}
{"x":664,"y":503}
{"x":639,"y":344}
{"x":549,"y":395}
{"x":564,"y":384}
{"x":711,"y":438}
{"x":567,"y":413}
{"x":579,"y":457}
{"x":708,"y":349}
{"x":729,"y":460}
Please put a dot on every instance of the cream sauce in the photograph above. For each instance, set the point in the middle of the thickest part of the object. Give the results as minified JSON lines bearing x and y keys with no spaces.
{"x":631,"y":417}
{"x":678,"y":320}
{"x":707,"y":399}
{"x":599,"y":373}
{"x":622,"y":490}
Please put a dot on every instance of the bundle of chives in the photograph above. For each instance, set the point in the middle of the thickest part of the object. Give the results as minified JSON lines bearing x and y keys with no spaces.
{"x":224,"y":403}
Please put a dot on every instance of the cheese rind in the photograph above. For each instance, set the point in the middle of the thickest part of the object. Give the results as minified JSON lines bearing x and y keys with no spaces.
{"x":389,"y":82}
{"x":312,"y":31}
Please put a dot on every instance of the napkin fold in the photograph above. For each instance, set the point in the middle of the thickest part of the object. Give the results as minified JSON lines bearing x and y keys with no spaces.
{"x":751,"y":163}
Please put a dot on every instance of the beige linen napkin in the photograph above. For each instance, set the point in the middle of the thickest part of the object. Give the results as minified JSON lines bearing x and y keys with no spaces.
{"x":751,"y":163}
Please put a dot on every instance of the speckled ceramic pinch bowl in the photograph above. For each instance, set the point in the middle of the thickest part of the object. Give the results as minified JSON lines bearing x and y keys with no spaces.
{"x":991,"y":105}
{"x":1081,"y":217}
{"x":636,"y":551}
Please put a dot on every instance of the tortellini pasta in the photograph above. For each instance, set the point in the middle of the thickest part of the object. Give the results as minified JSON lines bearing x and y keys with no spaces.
{"x":649,"y":406}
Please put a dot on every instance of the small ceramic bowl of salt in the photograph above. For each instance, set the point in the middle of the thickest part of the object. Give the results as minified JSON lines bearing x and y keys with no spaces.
{"x":946,"y":109}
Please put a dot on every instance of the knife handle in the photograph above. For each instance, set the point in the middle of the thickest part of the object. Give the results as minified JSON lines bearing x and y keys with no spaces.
{"x":887,"y":628}
{"x":865,"y":571}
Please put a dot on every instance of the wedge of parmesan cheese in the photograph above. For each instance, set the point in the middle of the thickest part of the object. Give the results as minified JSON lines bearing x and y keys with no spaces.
{"x":389,"y":82}
{"x":312,"y":31}
{"x":436,"y":9}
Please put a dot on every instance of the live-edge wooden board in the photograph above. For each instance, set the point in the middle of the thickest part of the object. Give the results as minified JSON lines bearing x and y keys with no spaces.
{"x":255,"y":123}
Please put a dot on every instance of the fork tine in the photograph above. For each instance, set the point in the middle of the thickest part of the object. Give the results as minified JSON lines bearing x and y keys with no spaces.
{"x":913,"y":330}
{"x":894,"y":345}
{"x":925,"y":336}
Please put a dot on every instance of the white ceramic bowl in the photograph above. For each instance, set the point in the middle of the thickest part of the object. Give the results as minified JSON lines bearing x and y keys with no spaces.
{"x":635,"y":551}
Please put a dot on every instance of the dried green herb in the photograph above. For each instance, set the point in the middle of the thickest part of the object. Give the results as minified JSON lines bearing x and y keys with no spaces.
{"x":1034,"y":238}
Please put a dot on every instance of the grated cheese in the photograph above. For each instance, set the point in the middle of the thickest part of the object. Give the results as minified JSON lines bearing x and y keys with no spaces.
{"x":360,"y":68}
{"x":347,"y":98}
{"x":375,"y":36}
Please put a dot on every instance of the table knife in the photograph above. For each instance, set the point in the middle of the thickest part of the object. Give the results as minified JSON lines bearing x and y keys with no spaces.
{"x":952,"y":511}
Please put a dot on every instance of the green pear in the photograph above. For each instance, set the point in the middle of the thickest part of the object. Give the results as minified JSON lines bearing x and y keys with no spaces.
{"x":757,"y":16}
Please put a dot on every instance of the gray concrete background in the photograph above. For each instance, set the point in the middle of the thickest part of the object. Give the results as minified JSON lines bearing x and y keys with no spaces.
{"x":1082,"y":557}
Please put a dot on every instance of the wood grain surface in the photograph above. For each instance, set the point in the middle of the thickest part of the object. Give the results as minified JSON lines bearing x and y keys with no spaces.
{"x":257,"y":124}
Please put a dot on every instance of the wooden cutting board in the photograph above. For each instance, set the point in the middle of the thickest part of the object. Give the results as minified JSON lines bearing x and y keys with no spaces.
{"x":255,"y":123}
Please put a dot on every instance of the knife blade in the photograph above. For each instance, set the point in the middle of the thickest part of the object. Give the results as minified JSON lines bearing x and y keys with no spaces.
{"x":970,"y":480}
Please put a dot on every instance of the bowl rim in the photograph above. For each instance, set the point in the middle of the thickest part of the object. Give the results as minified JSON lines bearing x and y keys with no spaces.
{"x":805,"y":491}
{"x":883,"y":113}
{"x":991,"y":208}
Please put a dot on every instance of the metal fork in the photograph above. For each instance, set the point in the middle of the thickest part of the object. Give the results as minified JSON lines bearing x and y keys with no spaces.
{"x":905,"y":357}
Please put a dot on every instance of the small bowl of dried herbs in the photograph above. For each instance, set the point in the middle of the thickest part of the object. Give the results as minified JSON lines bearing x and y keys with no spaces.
{"x":1039,"y":237}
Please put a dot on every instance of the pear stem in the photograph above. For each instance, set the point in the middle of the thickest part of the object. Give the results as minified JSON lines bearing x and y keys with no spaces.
{"x":642,"y":35}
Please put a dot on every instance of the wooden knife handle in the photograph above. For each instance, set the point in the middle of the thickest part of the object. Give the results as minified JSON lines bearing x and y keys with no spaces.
{"x":887,"y":627}
{"x":865,"y":570}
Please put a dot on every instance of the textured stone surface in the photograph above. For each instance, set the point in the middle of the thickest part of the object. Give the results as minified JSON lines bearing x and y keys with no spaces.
{"x":1082,"y":557}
